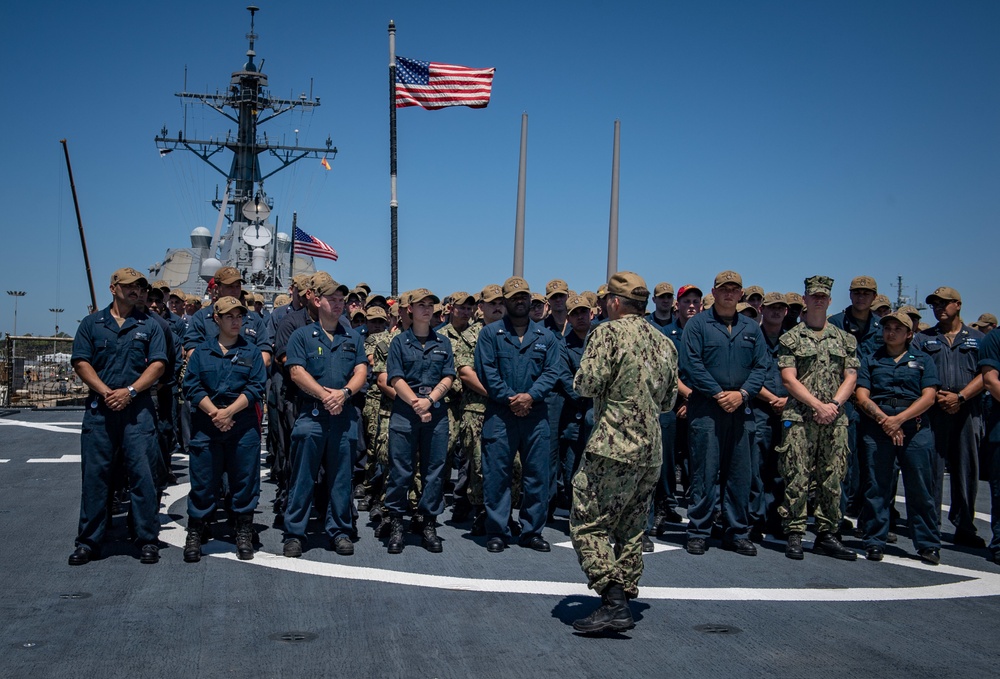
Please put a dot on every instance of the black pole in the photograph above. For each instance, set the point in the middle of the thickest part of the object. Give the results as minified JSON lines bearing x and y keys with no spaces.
{"x":393,"y":205}
{"x":79,"y":223}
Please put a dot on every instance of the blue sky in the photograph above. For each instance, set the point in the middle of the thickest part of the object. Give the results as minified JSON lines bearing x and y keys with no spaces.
{"x":780,"y":139}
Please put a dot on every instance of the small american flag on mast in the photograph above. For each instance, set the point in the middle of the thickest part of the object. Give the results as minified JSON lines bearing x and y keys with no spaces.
{"x":433,"y":85}
{"x":312,"y":246}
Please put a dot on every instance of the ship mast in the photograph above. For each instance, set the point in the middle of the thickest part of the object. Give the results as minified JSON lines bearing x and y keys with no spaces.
{"x":251,"y":104}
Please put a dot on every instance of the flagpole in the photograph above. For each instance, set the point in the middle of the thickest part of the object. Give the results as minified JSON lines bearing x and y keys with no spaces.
{"x":522,"y":172}
{"x":291,"y":250}
{"x":393,"y":204}
{"x":613,"y":219}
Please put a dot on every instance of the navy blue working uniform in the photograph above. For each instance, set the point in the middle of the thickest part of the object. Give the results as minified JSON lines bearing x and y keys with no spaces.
{"x":665,"y":497}
{"x":894,"y":386}
{"x":222,"y":378}
{"x":119,"y":355}
{"x":714,"y":359}
{"x":573,"y":430}
{"x":989,"y":357}
{"x":767,"y":487}
{"x":956,"y":437}
{"x":507,"y":365}
{"x":868,"y":335}
{"x":287,"y":397}
{"x":422,"y":366}
{"x":320,"y":439}
{"x":202,"y":327}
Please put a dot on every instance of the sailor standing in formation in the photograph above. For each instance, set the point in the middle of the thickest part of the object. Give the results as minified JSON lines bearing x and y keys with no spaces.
{"x":739,"y":438}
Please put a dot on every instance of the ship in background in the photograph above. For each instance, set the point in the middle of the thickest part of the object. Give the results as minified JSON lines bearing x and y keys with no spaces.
{"x":250,"y":240}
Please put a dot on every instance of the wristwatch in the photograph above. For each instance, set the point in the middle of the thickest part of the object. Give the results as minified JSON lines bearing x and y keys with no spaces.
{"x":961,"y":397}
{"x":836,"y":403}
{"x":131,"y":392}
{"x":347,"y":392}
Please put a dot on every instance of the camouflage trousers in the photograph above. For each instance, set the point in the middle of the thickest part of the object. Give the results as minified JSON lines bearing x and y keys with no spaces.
{"x":812,"y":453}
{"x":610,"y":506}
{"x":377,"y":433}
{"x":471,"y":429}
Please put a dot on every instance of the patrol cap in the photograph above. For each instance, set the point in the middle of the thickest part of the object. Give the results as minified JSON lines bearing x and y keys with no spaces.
{"x":539,"y":298}
{"x":161,"y":285}
{"x":491,"y":292}
{"x":772,"y":298}
{"x":192,"y":299}
{"x":602,"y":291}
{"x":944,"y":293}
{"x":375,"y":312}
{"x":421,"y":294}
{"x":376,"y":300}
{"x":394,"y":310}
{"x":179,"y":294}
{"x":127,"y":276}
{"x":628,"y":285}
{"x":685,"y":289}
{"x":881,"y":301}
{"x":707,"y":301}
{"x":227,"y":304}
{"x":901,"y":317}
{"x":323,"y":284}
{"x":577,"y":302}
{"x":515,"y":285}
{"x":819,"y":285}
{"x":556,"y":287}
{"x":910,"y":311}
{"x":302,"y":282}
{"x":228,"y":275}
{"x":662,"y":289}
{"x":985,"y":320}
{"x":357,"y":292}
{"x":462,"y":297}
{"x":752,"y":290}
{"x":206,"y":302}
{"x":281,"y":300}
{"x":404,"y":298}
{"x":743,"y":306}
{"x":591,"y":297}
{"x":367,"y":288}
{"x":358,"y":313}
{"x":728,"y":277}
{"x":864,"y":283}
{"x":794,"y":299}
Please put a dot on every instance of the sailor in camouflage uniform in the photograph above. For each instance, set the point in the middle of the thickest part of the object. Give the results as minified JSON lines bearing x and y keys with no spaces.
{"x":630,"y":370}
{"x":819,"y":367}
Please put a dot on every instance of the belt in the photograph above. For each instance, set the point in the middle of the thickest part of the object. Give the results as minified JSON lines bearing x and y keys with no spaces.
{"x":895,"y":402}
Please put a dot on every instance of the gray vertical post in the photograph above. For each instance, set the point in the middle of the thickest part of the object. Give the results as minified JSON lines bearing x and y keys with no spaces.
{"x":613,"y":220}
{"x":393,"y":204}
{"x":522,"y":173}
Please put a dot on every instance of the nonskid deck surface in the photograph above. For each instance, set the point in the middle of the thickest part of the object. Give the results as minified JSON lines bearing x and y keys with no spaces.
{"x":464,"y":612}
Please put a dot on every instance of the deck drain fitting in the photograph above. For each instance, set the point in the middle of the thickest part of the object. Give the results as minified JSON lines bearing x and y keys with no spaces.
{"x":75,"y":595}
{"x":293,"y":637}
{"x":713,"y":628}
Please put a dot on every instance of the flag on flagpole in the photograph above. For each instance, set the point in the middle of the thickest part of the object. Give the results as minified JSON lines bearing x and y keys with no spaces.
{"x":433,"y":85}
{"x":312,"y":246}
{"x":325,"y":163}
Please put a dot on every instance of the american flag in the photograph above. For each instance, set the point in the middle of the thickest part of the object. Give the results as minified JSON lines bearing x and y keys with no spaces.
{"x":433,"y":85}
{"x":312,"y":246}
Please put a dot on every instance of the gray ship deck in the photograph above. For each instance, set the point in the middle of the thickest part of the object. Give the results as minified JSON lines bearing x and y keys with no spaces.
{"x":458,"y":614}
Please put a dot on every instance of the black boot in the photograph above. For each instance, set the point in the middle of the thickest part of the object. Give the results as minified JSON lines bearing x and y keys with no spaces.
{"x":827,"y":543}
{"x":794,"y":548}
{"x":431,"y":541}
{"x":396,"y":541}
{"x":479,"y":523}
{"x":613,"y":615}
{"x":244,"y":537}
{"x":192,"y":545}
